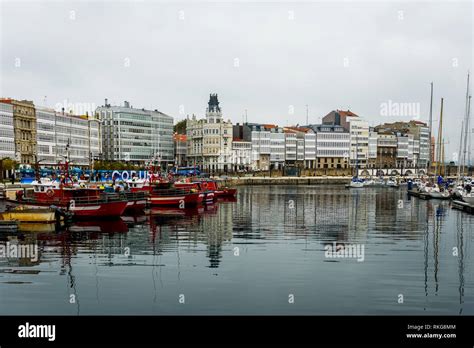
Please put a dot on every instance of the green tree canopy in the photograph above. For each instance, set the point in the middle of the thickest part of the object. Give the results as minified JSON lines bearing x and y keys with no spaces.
{"x":8,"y":164}
{"x":115,"y":165}
{"x":180,"y":127}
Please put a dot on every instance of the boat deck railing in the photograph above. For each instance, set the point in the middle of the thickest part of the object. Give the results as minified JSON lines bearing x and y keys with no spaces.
{"x":103,"y":198}
{"x":170,"y":192}
{"x":134,"y":196}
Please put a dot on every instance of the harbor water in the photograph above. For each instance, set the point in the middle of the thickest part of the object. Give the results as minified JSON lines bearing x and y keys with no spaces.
{"x":266,"y":252}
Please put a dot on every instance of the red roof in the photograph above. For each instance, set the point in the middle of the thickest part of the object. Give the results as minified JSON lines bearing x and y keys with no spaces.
{"x":347,"y":113}
{"x":6,"y":100}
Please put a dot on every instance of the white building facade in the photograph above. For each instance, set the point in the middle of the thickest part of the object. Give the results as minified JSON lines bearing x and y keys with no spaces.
{"x":332,"y":146}
{"x":359,"y":131}
{"x":372,"y":148}
{"x":310,"y":149}
{"x":209,"y":140}
{"x":277,"y":148}
{"x":424,"y":146}
{"x":62,"y":136}
{"x":305,"y":146}
{"x":241,"y":157}
{"x":261,"y":149}
{"x":7,"y":134}
{"x":136,"y":135}
{"x":291,"y":148}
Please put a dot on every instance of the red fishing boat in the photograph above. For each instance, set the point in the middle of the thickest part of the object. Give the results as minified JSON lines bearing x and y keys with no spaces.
{"x":218,"y":191}
{"x":207,"y":194}
{"x":138,"y":185}
{"x":164,"y":194}
{"x":81,"y":201}
{"x":136,"y":200}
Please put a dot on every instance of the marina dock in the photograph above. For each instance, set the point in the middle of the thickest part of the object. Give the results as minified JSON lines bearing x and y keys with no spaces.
{"x":466,"y":207}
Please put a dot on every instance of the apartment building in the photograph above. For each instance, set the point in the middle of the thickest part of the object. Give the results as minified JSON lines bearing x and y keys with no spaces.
{"x":332,"y":146}
{"x":386,"y":150}
{"x":7,"y":133}
{"x":241,"y":157}
{"x":136,"y":135}
{"x":421,"y":139}
{"x":359,"y":134}
{"x":62,"y":136}
{"x":24,"y":128}
{"x":372,"y":148}
{"x":306,"y":146}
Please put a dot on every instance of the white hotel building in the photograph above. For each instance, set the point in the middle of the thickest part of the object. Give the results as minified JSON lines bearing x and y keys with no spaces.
{"x":136,"y":135}
{"x":60,"y":135}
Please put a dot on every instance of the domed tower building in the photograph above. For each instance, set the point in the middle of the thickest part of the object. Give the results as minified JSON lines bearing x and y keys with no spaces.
{"x":210,"y":139}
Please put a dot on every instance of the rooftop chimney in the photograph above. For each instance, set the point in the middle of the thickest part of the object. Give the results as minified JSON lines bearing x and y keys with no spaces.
{"x":106,"y":102}
{"x":126,"y":104}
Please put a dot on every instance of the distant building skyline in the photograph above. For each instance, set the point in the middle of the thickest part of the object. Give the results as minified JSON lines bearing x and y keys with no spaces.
{"x":266,"y":69}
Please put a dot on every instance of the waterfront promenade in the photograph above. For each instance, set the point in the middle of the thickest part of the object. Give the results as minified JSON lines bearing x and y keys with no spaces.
{"x":286,"y":180}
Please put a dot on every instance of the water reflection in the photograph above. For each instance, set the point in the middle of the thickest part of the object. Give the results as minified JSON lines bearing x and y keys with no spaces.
{"x":270,"y":236}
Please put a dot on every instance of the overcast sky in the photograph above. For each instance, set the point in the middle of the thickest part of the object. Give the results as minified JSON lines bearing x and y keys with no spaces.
{"x":272,"y":59}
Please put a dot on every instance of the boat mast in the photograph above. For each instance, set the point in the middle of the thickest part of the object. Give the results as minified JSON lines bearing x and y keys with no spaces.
{"x":469,"y":139}
{"x":443,"y":163}
{"x":460,"y":151}
{"x":465,"y":127}
{"x":357,"y":155}
{"x":440,"y":137}
{"x":430,"y":160}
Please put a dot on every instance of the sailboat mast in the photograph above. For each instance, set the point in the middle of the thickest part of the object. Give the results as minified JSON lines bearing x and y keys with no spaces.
{"x":469,"y":138}
{"x":467,"y":141}
{"x":466,"y":127}
{"x":442,"y":170}
{"x":357,"y":154}
{"x":430,"y":160}
{"x":460,"y":150}
{"x":440,"y":137}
